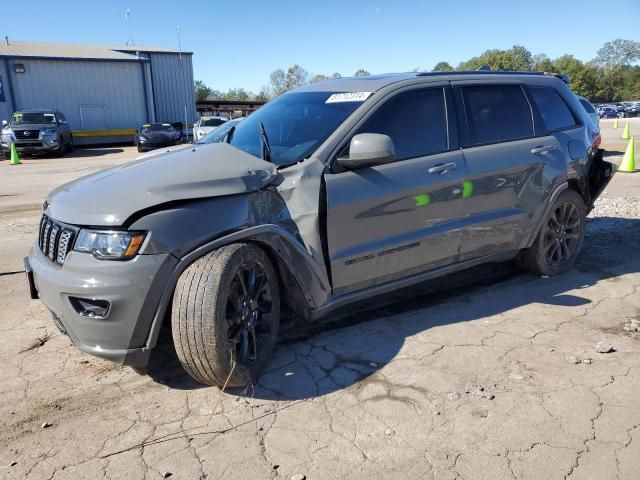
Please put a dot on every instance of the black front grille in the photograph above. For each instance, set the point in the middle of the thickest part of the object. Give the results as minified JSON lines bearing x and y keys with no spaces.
{"x":29,"y":144}
{"x":54,"y":240}
{"x":26,"y":134}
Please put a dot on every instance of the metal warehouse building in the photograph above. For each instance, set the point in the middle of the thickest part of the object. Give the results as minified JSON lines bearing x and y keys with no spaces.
{"x":105,"y":92}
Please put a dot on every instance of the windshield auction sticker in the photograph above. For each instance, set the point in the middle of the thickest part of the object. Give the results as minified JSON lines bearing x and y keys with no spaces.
{"x":348,"y":97}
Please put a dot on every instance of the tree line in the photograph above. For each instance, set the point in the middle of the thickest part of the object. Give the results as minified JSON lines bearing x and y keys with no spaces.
{"x":613,"y":75}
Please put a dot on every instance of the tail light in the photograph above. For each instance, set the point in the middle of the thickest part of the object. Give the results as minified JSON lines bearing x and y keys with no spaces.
{"x":596,"y":139}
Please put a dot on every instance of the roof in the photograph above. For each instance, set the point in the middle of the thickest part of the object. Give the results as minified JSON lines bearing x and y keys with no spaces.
{"x":373,"y":83}
{"x":26,"y":49}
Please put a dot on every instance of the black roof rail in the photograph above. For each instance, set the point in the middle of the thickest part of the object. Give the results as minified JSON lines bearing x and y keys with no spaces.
{"x":564,"y":78}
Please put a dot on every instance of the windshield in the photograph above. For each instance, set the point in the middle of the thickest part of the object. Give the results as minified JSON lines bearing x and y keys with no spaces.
{"x":296,"y":124}
{"x":158,"y":127}
{"x":219,"y":133}
{"x":32,"y":118}
{"x":212,"y":122}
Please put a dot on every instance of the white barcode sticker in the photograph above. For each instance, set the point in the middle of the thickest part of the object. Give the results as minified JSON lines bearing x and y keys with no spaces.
{"x":348,"y":97}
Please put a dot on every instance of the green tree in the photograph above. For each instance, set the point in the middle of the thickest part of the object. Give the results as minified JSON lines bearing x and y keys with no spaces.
{"x":264,"y":95}
{"x":517,"y":58}
{"x":278,"y":80}
{"x":201,"y":90}
{"x":318,"y":78}
{"x":442,"y":67}
{"x":568,"y":64}
{"x":336,"y":75}
{"x":361,"y":72}
{"x":238,"y":94}
{"x":586,"y":82}
{"x":296,"y":77}
{"x":542,"y":63}
{"x":617,"y":53}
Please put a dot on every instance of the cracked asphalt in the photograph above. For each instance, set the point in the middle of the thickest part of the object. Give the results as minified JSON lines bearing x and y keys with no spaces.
{"x":488,"y":374}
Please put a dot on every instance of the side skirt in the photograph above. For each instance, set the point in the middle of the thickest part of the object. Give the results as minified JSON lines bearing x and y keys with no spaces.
{"x":407,"y":282}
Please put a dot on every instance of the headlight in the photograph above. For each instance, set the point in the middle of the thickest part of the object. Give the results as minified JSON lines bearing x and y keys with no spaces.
{"x":49,"y":131}
{"x":142,"y":138}
{"x":109,"y":245}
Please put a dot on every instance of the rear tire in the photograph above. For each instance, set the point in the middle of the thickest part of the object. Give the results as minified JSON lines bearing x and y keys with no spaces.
{"x":6,"y":154}
{"x":560,"y":239}
{"x":225,"y":318}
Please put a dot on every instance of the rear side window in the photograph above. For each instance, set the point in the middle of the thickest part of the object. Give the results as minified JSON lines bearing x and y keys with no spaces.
{"x":416,"y":121}
{"x":587,"y":106}
{"x":496,"y":113}
{"x":554,"y":111}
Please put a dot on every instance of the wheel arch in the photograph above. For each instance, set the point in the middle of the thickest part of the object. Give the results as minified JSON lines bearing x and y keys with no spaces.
{"x":304,"y":283}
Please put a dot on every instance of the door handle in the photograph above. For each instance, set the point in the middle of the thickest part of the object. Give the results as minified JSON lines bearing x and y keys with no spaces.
{"x":543,"y":149}
{"x":442,"y":168}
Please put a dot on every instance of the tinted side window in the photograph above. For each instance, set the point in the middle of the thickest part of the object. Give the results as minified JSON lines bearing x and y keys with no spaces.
{"x":496,"y":113}
{"x":587,"y":106}
{"x":555,"y":113}
{"x":416,"y":121}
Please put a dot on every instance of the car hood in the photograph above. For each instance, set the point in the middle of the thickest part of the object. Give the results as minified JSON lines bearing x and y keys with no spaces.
{"x":109,"y":197}
{"x":163,"y":150}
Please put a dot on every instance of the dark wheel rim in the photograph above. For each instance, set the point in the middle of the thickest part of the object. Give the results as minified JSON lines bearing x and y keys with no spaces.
{"x":562,"y":235}
{"x":249,"y":312}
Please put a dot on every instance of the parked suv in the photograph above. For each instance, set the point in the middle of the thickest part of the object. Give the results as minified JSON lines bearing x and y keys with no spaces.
{"x":335,"y":192}
{"x":36,"y":131}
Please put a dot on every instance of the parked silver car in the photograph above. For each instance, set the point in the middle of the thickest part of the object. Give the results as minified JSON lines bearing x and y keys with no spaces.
{"x":36,"y":131}
{"x":334,"y":192}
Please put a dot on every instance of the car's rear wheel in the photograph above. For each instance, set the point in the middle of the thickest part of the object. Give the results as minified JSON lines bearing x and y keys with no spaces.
{"x":226,"y":314}
{"x":560,"y":239}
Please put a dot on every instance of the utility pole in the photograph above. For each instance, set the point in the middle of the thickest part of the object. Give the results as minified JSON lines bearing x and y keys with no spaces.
{"x":127,"y":14}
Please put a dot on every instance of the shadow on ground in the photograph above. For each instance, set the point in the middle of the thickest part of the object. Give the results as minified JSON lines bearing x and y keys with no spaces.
{"x":317,"y":359}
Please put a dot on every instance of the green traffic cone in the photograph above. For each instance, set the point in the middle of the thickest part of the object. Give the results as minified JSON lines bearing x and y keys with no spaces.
{"x":626,"y":134}
{"x":628,"y":164}
{"x":15,"y":158}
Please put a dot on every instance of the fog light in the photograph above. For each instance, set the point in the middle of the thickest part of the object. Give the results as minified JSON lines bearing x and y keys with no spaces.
{"x":88,"y":307}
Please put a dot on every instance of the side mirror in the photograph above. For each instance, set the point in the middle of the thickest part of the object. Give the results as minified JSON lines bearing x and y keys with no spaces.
{"x":369,"y":149}
{"x":4,"y":123}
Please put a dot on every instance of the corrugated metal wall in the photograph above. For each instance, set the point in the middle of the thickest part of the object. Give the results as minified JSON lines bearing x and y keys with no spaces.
{"x":79,"y":89}
{"x":172,"y":79}
{"x":6,"y":109}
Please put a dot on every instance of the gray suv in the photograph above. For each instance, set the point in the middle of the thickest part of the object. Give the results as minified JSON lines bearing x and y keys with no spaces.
{"x":36,"y":131}
{"x":332,"y":193}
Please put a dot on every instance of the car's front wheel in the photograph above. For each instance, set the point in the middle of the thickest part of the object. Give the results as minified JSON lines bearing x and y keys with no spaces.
{"x":226,"y":314}
{"x":560,"y":239}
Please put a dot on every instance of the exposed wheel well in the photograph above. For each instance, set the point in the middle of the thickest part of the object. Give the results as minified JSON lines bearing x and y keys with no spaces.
{"x":580,"y":188}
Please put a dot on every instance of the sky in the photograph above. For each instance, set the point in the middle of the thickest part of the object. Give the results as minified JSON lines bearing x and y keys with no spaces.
{"x":238,"y":43}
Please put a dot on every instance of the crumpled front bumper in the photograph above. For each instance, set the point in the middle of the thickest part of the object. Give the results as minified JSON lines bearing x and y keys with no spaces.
{"x":129,"y":287}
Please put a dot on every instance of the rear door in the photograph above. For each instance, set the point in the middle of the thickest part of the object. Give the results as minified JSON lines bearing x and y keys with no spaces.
{"x":390,"y":221}
{"x":509,"y":162}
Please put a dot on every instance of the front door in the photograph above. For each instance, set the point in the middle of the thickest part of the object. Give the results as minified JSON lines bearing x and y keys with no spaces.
{"x":391,"y":221}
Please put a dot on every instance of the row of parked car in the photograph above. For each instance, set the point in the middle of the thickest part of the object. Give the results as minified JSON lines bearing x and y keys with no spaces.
{"x":618,"y":110}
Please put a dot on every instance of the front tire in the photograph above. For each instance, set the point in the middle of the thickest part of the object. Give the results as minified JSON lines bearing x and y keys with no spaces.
{"x":226,"y":314}
{"x":560,"y":239}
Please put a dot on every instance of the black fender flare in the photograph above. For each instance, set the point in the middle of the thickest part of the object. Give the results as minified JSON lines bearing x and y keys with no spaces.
{"x":309,"y":276}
